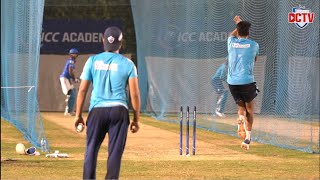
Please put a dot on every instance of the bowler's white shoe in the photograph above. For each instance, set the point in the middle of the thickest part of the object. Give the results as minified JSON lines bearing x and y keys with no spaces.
{"x":245,"y":144}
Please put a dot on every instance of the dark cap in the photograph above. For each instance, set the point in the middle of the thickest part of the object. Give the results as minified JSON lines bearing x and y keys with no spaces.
{"x":113,"y":38}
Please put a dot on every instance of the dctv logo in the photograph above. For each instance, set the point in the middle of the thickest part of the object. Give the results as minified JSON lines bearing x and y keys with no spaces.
{"x":301,"y":16}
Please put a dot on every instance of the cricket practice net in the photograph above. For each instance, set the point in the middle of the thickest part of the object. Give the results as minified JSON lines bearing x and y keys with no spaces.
{"x":181,"y":43}
{"x":20,"y":50}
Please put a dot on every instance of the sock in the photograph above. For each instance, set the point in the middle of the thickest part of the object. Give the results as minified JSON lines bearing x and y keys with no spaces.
{"x":248,"y":135}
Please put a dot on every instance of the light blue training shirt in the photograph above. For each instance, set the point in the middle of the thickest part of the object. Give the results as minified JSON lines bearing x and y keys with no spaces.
{"x":109,"y":74}
{"x":241,"y":57}
{"x":221,"y":73}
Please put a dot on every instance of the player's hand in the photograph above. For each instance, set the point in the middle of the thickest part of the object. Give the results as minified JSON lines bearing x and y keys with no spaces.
{"x":77,"y":121}
{"x":134,"y":126}
{"x":236,"y":19}
{"x":77,"y":80}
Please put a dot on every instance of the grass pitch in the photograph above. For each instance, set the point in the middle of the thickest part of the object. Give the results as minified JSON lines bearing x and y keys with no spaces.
{"x":153,"y":154}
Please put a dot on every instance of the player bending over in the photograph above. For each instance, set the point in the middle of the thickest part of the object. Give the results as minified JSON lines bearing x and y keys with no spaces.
{"x":67,"y":78}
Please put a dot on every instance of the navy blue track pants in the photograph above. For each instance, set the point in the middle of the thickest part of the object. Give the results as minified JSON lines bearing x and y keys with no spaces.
{"x":114,"y":121}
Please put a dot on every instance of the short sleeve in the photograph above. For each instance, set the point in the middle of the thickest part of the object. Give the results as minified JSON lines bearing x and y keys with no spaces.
{"x":133,"y":72}
{"x":257,"y":50}
{"x":86,"y":73}
{"x":71,"y":64}
{"x":230,"y":40}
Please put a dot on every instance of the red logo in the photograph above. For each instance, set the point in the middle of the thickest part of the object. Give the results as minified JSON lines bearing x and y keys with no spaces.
{"x":301,"y":17}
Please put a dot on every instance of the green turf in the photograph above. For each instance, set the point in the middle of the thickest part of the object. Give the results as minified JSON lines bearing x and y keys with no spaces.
{"x":276,"y":163}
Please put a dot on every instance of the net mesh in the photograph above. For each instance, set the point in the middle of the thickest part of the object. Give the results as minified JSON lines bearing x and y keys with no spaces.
{"x":20,"y":49}
{"x":180,"y":45}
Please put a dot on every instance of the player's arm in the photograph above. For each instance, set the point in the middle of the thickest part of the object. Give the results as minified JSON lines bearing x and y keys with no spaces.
{"x":83,"y":89}
{"x":234,"y":33}
{"x":257,"y":52}
{"x":86,"y":77}
{"x":135,"y":101}
{"x":71,"y":72}
{"x":236,"y":20}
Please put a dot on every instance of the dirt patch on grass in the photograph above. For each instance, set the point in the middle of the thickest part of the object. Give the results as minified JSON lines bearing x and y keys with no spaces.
{"x":153,"y":144}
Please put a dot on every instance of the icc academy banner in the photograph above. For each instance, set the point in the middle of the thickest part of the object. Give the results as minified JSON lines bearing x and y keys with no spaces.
{"x":58,"y":36}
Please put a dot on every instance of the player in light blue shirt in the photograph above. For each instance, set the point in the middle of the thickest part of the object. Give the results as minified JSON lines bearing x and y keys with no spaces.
{"x":242,"y":53}
{"x":110,"y":74}
{"x":218,"y":80}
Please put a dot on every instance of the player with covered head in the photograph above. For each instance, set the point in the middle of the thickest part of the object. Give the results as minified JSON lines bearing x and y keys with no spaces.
{"x":67,"y":78}
{"x":110,"y":74}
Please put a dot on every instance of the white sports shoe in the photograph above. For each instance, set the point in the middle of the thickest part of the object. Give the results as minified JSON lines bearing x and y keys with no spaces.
{"x":222,"y":115}
{"x":245,"y":144}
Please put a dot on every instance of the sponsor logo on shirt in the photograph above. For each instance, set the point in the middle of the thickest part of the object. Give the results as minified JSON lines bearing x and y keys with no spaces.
{"x":99,"y":65}
{"x":237,"y":45}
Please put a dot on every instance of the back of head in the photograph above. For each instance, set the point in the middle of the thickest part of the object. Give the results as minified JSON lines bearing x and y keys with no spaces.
{"x":243,"y":28}
{"x":112,"y":39}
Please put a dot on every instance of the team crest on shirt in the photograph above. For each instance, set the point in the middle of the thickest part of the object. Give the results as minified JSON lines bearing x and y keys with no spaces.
{"x":301,"y":16}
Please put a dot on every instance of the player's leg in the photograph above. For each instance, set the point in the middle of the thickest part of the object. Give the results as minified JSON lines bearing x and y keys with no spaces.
{"x":67,"y":88}
{"x":96,"y":130}
{"x":241,"y":118}
{"x":71,"y":101}
{"x":218,"y":87}
{"x":224,"y":100}
{"x":64,"y":85}
{"x":249,"y":122}
{"x":219,"y":104}
{"x":118,"y":130}
{"x":235,"y":92}
{"x":249,"y":95}
{"x":248,"y":125}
